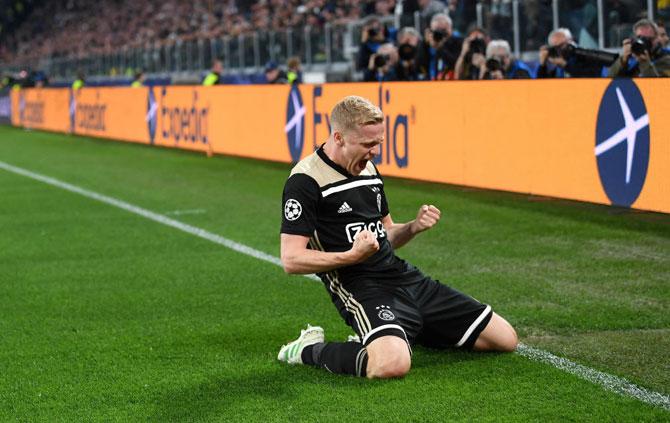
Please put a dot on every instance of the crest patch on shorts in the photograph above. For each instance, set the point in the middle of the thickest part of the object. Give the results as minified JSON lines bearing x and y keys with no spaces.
{"x":385,"y":313}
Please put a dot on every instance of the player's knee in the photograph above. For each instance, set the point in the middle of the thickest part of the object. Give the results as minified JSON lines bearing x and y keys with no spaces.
{"x":390,"y":365}
{"x":510,"y":340}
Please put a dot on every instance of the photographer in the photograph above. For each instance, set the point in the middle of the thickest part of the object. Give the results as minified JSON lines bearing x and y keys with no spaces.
{"x":501,"y":65}
{"x":381,"y":66}
{"x":440,"y":50}
{"x":373,"y":35}
{"x":473,"y":55}
{"x":562,"y":58}
{"x":643,"y":55}
{"x":407,"y":68}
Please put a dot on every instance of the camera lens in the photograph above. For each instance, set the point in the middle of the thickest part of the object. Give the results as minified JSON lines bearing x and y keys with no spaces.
{"x":380,"y":60}
{"x":439,"y":35}
{"x":493,"y":64}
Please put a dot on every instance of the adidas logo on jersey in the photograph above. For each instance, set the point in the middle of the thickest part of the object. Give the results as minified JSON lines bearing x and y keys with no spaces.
{"x":344,"y":208}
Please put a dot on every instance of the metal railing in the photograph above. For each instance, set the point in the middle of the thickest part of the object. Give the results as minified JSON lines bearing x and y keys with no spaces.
{"x":524,"y":23}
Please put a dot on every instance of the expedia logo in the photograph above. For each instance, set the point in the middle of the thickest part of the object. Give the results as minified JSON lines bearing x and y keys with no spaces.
{"x":91,"y":116}
{"x":152,"y":115}
{"x":180,"y":122}
{"x":30,"y":112}
{"x":295,"y":123}
{"x":622,"y":142}
{"x":353,"y":229}
{"x":395,"y":150}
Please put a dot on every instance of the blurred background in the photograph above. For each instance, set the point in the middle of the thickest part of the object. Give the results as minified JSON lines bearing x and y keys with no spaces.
{"x":176,"y":42}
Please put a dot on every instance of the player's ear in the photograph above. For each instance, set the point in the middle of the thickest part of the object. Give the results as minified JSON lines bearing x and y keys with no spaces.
{"x":339,"y":140}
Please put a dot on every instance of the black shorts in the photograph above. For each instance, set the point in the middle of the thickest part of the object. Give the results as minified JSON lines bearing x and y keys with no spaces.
{"x":426,"y":313}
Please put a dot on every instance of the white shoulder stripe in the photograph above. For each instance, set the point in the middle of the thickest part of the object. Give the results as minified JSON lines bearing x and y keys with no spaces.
{"x":350,"y":185}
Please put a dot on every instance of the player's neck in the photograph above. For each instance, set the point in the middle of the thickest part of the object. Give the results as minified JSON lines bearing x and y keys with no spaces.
{"x":333,"y":152}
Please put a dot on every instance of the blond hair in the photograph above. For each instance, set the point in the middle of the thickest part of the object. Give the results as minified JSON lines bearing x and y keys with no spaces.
{"x":353,"y":112}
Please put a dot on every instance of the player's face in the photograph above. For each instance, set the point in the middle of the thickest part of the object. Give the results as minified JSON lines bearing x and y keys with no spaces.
{"x":360,"y":146}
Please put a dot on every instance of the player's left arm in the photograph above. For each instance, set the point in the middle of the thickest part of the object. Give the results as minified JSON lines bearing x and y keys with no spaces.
{"x":400,"y":234}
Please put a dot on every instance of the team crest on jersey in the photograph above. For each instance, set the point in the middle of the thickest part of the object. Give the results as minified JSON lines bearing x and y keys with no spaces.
{"x":292,"y":209}
{"x":385,"y":313}
{"x":379,"y":202}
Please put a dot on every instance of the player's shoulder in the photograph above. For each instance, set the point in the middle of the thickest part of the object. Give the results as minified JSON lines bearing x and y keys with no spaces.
{"x":371,"y":170}
{"x":316,"y":169}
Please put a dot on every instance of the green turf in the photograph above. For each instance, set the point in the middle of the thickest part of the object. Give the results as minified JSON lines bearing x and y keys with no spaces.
{"x":109,"y":316}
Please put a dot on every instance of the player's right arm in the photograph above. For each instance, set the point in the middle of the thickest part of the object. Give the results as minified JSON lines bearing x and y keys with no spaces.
{"x":297,"y":258}
{"x":300,"y":216}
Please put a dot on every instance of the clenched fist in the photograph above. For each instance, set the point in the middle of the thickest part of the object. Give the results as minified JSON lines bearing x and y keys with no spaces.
{"x":365,"y":245}
{"x":426,"y":218}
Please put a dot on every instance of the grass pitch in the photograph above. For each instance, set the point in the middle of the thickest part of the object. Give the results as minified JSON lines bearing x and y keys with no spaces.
{"x":109,"y":316}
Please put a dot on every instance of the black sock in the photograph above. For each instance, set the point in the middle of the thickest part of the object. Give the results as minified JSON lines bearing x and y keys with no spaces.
{"x":349,"y":358}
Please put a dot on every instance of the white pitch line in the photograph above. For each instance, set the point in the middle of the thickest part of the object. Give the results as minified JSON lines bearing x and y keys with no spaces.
{"x":186,"y":211}
{"x":609,"y":382}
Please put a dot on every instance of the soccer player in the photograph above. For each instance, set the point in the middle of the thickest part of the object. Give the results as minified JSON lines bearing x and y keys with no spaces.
{"x":336,"y":223}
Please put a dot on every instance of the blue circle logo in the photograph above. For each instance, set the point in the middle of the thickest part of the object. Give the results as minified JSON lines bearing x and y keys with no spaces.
{"x":295,"y":123}
{"x":622,"y":142}
{"x":152,"y":116}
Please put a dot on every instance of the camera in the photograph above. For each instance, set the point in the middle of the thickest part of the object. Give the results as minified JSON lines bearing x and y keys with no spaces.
{"x":439,"y":35}
{"x":640,"y":45}
{"x":372,"y":32}
{"x":584,"y":55}
{"x":478,"y":45}
{"x":494,"y":64}
{"x":406,"y":52}
{"x":381,"y":60}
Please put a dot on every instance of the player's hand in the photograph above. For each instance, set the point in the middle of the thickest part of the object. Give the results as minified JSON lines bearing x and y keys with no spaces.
{"x":558,"y":61}
{"x":642,"y":58}
{"x":365,"y":245}
{"x":626,"y":50}
{"x":427,"y":217}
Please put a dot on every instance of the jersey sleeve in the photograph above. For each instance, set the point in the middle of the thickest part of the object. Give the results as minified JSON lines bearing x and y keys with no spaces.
{"x":300,"y":203}
{"x":385,"y":205}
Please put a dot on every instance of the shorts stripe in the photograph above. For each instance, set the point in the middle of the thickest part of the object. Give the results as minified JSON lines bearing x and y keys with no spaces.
{"x":383,"y":327}
{"x":473,"y":326}
{"x":353,"y":306}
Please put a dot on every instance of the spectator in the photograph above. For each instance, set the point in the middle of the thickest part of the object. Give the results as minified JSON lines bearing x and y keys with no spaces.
{"x":500,"y":64}
{"x":440,"y":49}
{"x":642,"y":56}
{"x":294,"y":73}
{"x":463,"y":14}
{"x":274,"y":75}
{"x":409,"y":41}
{"x":473,"y":55}
{"x":430,"y":8}
{"x":214,"y":76}
{"x":558,"y":61}
{"x":373,"y":35}
{"x":382,"y":64}
{"x":80,"y":82}
{"x":662,"y":35}
{"x":138,"y":80}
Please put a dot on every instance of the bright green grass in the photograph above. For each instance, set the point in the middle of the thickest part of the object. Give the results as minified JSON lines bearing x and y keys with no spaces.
{"x":108,"y":316}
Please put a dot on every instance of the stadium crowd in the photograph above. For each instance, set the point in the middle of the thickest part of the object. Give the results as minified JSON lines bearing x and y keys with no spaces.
{"x":449,"y":47}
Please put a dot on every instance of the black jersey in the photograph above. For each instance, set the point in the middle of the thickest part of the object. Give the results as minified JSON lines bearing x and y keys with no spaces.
{"x":324,"y":202}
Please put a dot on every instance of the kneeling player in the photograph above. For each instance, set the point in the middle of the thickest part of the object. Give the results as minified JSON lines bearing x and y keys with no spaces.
{"x":337,"y":224}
